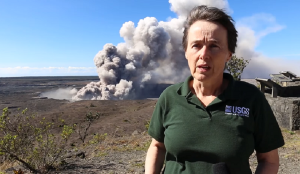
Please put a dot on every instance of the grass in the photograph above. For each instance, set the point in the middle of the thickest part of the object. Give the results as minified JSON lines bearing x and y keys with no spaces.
{"x":141,"y":164}
{"x":292,"y":143}
{"x":292,"y":138}
{"x":101,"y":154}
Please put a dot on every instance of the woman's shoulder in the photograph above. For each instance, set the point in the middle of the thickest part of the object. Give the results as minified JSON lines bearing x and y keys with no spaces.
{"x":243,"y":84}
{"x":169,"y":95}
{"x":245,"y":88}
{"x":172,"y":89}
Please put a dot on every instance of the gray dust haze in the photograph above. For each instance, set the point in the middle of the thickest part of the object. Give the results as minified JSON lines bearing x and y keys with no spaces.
{"x":60,"y":94}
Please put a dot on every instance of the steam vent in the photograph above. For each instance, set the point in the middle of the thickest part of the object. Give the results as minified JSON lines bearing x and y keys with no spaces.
{"x":283,"y":94}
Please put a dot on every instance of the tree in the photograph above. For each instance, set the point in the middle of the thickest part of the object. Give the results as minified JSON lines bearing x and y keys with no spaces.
{"x":30,"y":141}
{"x":236,"y":66}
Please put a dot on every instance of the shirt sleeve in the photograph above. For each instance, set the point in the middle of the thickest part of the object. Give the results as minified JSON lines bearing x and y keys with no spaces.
{"x":267,"y":134}
{"x":156,"y":129}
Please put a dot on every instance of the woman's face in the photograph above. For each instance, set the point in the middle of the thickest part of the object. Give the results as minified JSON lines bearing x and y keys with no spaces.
{"x":207,"y":50}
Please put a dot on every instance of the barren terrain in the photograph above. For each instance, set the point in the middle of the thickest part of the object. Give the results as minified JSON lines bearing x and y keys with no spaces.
{"x":125,"y":122}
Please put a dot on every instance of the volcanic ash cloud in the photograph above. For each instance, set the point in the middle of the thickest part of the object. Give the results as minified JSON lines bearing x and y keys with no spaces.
{"x":150,"y":49}
{"x":152,"y":53}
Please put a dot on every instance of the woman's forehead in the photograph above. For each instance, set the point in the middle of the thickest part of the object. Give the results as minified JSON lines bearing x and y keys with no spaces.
{"x":207,"y":29}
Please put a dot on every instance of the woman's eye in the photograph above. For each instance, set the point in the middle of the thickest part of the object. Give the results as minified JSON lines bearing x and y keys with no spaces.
{"x":195,"y":46}
{"x":214,"y":46}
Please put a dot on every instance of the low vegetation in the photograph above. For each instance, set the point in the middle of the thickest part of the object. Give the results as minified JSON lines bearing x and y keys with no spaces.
{"x":85,"y":124}
{"x":292,"y":141}
{"x":34,"y":142}
{"x":42,"y":145}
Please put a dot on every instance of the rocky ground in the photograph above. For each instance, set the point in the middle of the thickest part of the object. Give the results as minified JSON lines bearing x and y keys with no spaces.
{"x":127,"y":155}
{"x":124,"y":147}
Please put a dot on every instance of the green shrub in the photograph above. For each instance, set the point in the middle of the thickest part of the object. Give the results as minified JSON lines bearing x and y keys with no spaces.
{"x":98,"y":138}
{"x":30,"y":141}
{"x":83,"y":127}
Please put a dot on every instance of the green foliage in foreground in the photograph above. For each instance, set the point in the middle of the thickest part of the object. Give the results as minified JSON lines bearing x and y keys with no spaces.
{"x":98,"y":138}
{"x":85,"y":124}
{"x":30,"y":141}
{"x":236,"y":66}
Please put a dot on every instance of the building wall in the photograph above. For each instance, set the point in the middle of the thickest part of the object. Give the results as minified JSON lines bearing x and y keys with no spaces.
{"x":286,"y":111}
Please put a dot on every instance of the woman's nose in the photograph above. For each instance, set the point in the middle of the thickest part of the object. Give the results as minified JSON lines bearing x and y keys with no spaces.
{"x":204,"y":53}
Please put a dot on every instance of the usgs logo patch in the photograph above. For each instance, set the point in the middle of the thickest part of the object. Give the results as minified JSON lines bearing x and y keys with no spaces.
{"x":235,"y":110}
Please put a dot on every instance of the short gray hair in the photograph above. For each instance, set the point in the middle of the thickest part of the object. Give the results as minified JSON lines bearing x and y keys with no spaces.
{"x":211,"y":14}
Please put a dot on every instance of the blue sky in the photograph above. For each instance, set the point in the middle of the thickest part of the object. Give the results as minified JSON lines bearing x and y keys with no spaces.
{"x":61,"y":37}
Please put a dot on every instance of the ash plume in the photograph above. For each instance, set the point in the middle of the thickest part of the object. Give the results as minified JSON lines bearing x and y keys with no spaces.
{"x":152,"y":53}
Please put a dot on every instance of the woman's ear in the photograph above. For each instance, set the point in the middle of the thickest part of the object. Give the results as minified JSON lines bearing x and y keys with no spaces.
{"x":229,"y":57}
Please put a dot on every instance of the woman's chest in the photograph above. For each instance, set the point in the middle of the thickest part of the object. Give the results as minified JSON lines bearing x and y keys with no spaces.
{"x":215,"y":131}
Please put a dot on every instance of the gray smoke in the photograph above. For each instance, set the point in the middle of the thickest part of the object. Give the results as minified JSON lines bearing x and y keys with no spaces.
{"x":60,"y":94}
{"x":152,"y":53}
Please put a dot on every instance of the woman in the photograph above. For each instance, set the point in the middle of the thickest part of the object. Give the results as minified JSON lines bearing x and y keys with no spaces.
{"x":210,"y":120}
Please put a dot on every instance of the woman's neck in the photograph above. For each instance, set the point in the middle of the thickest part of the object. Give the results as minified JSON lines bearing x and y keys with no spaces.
{"x":208,"y":88}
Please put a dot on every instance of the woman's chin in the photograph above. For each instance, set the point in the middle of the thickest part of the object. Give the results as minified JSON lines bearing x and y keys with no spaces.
{"x":201,"y":77}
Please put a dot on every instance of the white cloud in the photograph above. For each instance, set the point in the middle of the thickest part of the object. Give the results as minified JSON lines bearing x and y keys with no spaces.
{"x":45,"y":71}
{"x":262,"y":23}
{"x":251,"y":30}
{"x":290,"y":55}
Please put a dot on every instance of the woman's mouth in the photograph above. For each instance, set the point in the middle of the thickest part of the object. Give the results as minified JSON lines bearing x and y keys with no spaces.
{"x":203,"y":68}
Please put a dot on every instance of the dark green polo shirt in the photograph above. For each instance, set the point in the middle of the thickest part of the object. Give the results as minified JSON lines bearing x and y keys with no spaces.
{"x":228,"y":130}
